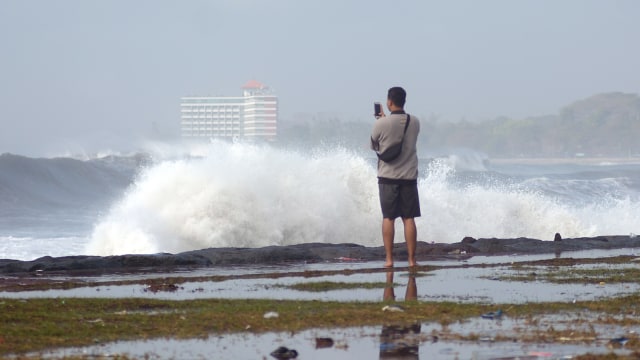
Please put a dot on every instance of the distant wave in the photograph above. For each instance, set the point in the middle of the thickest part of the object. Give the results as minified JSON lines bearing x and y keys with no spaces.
{"x":40,"y":184}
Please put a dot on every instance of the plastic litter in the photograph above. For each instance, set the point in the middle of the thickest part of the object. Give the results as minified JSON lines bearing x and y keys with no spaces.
{"x":492,"y":315}
{"x":393,"y":308}
{"x":344,"y":258}
{"x":271,"y":315}
{"x":618,"y":342}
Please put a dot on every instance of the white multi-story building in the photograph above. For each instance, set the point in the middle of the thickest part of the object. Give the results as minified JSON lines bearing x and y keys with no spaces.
{"x":251,"y":116}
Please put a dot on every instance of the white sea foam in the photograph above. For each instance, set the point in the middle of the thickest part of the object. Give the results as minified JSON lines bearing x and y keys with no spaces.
{"x":239,"y":195}
{"x":245,"y":196}
{"x":30,"y":248}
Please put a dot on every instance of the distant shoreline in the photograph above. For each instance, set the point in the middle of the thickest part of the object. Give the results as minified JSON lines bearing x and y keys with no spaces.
{"x":572,"y":160}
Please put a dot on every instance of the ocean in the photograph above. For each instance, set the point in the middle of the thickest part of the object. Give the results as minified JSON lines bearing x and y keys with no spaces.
{"x":246,"y":195}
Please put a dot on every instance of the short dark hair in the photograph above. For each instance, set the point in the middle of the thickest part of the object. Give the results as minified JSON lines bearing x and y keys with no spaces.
{"x":397,"y":95}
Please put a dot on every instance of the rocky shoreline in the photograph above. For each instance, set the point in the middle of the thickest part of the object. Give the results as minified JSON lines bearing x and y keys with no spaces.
{"x":300,"y":253}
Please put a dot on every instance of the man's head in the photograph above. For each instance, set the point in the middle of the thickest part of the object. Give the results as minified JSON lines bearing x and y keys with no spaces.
{"x":396,"y":97}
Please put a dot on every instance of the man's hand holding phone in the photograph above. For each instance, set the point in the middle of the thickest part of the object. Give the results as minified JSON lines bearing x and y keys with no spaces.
{"x":377,"y":110}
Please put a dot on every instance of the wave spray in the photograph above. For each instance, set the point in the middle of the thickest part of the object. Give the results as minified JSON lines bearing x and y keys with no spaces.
{"x":240,"y":195}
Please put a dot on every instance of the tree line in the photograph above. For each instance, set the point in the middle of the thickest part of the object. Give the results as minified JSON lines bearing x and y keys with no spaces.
{"x":604,"y":125}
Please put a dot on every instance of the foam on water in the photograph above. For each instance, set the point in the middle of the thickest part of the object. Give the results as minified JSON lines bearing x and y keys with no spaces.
{"x":239,"y":195}
{"x":30,"y":248}
{"x":242,"y":195}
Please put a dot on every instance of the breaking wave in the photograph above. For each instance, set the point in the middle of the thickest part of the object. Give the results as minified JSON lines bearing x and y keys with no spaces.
{"x":241,"y":195}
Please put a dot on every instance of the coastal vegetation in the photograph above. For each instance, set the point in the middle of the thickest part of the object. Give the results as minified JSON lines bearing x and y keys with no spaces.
{"x":603,"y":125}
{"x":28,"y":326}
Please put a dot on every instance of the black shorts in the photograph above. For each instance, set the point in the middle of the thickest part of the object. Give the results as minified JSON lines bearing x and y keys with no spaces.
{"x":399,"y":200}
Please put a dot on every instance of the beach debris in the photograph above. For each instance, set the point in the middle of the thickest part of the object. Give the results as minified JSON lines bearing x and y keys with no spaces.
{"x":492,"y":315}
{"x":540,"y":353}
{"x":154,"y":288}
{"x":271,"y":315}
{"x":557,"y":237}
{"x":618,"y":342}
{"x":575,"y":338}
{"x":324,"y":342}
{"x":283,"y":353}
{"x":344,"y":258}
{"x":393,"y":308}
{"x":342,"y":345}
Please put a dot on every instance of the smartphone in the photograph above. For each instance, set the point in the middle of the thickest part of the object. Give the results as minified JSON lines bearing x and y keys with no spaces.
{"x":377,"y":109}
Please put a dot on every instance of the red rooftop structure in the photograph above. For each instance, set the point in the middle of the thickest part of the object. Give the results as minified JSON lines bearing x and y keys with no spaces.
{"x":253,"y":84}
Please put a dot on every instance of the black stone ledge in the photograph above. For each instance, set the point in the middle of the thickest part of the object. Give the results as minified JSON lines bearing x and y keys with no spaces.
{"x":301,"y":253}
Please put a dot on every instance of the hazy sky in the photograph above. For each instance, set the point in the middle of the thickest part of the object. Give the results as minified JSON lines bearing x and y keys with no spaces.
{"x":98,"y":74}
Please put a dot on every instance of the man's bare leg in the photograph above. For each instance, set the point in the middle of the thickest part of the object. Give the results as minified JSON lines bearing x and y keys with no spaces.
{"x":388,"y":231}
{"x":411,"y":237}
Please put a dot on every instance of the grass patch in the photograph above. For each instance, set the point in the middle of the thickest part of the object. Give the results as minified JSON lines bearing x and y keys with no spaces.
{"x":577,"y":276}
{"x":38,"y":324}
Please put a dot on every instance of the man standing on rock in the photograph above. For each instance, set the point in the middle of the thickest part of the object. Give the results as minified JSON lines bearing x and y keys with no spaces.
{"x":397,"y":176}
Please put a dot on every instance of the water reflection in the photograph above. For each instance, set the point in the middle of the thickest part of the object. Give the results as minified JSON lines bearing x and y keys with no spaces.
{"x":411,"y":292}
{"x":398,"y":341}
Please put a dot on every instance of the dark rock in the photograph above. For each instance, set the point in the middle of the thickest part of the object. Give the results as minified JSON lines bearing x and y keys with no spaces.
{"x":104,"y":264}
{"x":283,"y":353}
{"x":300,"y":253}
{"x":322,"y":343}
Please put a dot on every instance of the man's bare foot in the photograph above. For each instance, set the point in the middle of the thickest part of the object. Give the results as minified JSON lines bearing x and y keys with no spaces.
{"x":413,"y":269}
{"x":412,"y":264}
{"x":388,"y":264}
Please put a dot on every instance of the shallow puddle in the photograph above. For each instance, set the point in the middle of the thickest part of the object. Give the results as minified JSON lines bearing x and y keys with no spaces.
{"x":452,"y":284}
{"x":426,"y":341}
